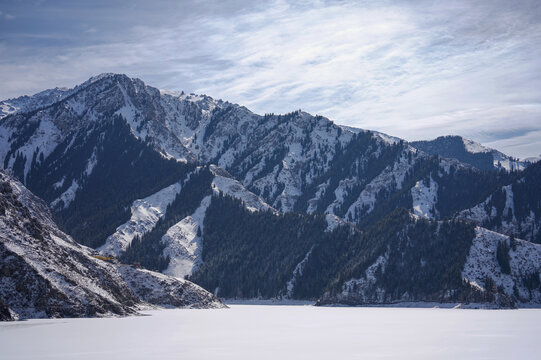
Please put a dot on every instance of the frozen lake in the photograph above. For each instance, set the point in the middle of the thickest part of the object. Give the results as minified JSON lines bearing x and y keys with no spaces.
{"x":282,"y":332}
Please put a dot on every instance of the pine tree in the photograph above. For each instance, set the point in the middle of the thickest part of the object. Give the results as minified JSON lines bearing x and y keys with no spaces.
{"x":502,"y":255}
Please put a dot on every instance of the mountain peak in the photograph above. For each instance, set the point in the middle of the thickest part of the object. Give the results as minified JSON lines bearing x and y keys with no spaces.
{"x":470,"y":152}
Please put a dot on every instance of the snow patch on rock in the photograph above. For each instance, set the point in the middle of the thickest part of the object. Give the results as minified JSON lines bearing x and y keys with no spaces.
{"x":233,"y":188}
{"x":474,"y":147}
{"x":333,"y":222}
{"x":145,"y":213}
{"x":425,"y":198}
{"x":182,"y":243}
{"x":67,"y":196}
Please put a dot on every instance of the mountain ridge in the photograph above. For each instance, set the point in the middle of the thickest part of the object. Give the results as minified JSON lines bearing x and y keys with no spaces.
{"x":102,"y":154}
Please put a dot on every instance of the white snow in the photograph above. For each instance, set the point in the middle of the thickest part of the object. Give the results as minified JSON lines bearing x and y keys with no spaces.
{"x":425,"y":198}
{"x":6,"y":108}
{"x":387,"y":138}
{"x":269,"y":332}
{"x":67,"y":196}
{"x":91,"y":163}
{"x":59,"y":183}
{"x":145,"y":213}
{"x":482,"y":262}
{"x":507,"y":162}
{"x":475,"y":147}
{"x":233,"y":188}
{"x":500,"y":159}
{"x":333,"y":222}
{"x":182,"y":244}
{"x":46,"y":137}
{"x":340,"y":192}
{"x":129,"y":113}
{"x":312,"y":203}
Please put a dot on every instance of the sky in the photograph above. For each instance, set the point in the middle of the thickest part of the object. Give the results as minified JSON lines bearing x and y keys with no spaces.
{"x":411,"y":69}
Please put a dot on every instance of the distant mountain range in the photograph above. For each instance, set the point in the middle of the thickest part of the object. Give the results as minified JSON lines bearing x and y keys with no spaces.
{"x":469,"y":152}
{"x":268,"y":206}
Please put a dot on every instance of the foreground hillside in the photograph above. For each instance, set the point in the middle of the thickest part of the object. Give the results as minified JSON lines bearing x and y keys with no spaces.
{"x":44,"y":273}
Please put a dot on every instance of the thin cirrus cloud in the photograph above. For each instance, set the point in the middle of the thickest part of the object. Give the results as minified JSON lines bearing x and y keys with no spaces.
{"x":410,"y":69}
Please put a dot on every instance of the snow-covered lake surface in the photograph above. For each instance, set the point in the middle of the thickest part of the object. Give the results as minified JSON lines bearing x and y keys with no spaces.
{"x":282,"y":332}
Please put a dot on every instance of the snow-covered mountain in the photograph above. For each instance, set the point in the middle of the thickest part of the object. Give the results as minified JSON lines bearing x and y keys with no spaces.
{"x":293,"y":162}
{"x":35,"y":101}
{"x":470,"y":152}
{"x":134,"y":172}
{"x":276,"y":157}
{"x":513,"y":209}
{"x":45,"y":273}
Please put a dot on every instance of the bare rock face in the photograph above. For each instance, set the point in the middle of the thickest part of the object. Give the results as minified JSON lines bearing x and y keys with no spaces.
{"x":45,"y":273}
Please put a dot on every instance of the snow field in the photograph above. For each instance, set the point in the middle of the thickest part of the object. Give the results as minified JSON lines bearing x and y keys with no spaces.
{"x":282,"y":332}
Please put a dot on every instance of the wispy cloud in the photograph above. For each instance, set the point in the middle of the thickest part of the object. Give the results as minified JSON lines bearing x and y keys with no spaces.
{"x":6,"y":16}
{"x":410,"y":69}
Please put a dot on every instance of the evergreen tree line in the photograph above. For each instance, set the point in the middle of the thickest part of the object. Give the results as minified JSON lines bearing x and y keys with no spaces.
{"x":253,"y":254}
{"x":424,"y":259}
{"x":250,"y":254}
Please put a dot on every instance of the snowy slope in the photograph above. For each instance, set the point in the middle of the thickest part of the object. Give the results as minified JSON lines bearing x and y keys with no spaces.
{"x":297,"y":272}
{"x":482,"y":262}
{"x":391,"y":177}
{"x":474,"y":147}
{"x":183,"y":243}
{"x":40,"y":99}
{"x":500,"y":160}
{"x":355,"y":290}
{"x":424,"y":199}
{"x":145,"y":213}
{"x":225,"y":184}
{"x":46,"y":273}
